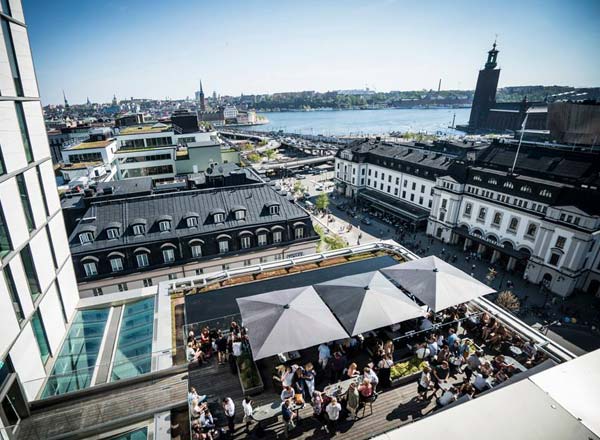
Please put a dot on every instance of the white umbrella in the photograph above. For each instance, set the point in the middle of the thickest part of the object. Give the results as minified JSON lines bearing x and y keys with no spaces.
{"x":437,"y":283}
{"x":367,"y":301}
{"x":287,"y":320}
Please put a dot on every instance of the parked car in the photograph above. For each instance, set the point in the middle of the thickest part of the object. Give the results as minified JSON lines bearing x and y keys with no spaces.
{"x":366,"y":221}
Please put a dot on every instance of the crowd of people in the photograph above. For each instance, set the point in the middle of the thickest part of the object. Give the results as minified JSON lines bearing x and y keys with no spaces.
{"x":200,"y":348}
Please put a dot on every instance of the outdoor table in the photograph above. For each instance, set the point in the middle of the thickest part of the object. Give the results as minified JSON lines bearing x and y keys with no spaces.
{"x":289,"y":356}
{"x":341,"y":388}
{"x":514,"y":363}
{"x":264,"y":413}
{"x":515,"y":350}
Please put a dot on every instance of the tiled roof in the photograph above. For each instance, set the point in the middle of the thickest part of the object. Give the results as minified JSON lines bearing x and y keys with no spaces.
{"x":255,"y":198}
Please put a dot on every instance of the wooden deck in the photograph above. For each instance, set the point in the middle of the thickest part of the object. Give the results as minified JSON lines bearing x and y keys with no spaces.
{"x":117,"y":406}
{"x":392,"y":409}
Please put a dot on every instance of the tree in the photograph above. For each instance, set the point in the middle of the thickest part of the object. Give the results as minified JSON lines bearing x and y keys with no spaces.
{"x":322,"y":202}
{"x":254,"y":157}
{"x":508,"y":301}
{"x":262,"y":143}
{"x":298,"y":188}
{"x":270,"y":154}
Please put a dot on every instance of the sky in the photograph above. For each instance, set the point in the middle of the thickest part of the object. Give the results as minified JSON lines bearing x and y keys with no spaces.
{"x":158,"y":49}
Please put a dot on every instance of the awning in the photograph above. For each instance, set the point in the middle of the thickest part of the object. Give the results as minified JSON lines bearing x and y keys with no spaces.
{"x":394,"y":205}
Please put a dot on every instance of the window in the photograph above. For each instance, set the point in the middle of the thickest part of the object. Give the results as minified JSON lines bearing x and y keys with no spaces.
{"x":164,"y":226}
{"x":492,"y":181}
{"x":477,"y":178}
{"x":247,"y":263}
{"x":423,"y":189}
{"x":412,"y":197}
{"x":223,"y":246}
{"x":403,"y":194}
{"x":274,"y":210}
{"x":41,"y":184}
{"x":376,"y":174}
{"x":225,"y":266}
{"x":429,"y":203}
{"x":2,"y":164}
{"x":25,"y":202}
{"x":122,"y":287}
{"x":554,"y":259}
{"x":514,"y":223}
{"x":112,"y":233}
{"x":37,"y":325}
{"x":138,"y":229}
{"x":12,"y":56}
{"x":397,"y":180}
{"x":277,"y":237}
{"x":168,"y":255}
{"x":262,"y":239}
{"x":219,"y":217}
{"x":381,"y":186}
{"x":142,"y":259}
{"x":369,"y":172}
{"x":5,"y":241}
{"x":497,"y":218}
{"x":482,"y":212}
{"x":395,"y":191}
{"x":196,"y":250}
{"x":369,"y":182}
{"x":526,"y":188}
{"x":147,"y":282}
{"x":240,"y":214}
{"x":86,"y":237}
{"x":299,"y":233}
{"x":414,"y":186}
{"x":442,"y":216}
{"x":97,"y":291}
{"x":172,"y":276}
{"x":560,"y":242}
{"x":116,"y":264}
{"x":245,"y":242}
{"x":390,"y":179}
{"x":531,"y":230}
{"x":444,"y":203}
{"x":30,"y":272}
{"x":405,"y":183}
{"x":192,"y":222}
{"x":508,"y":185}
{"x":420,"y":200}
{"x":199,"y":272}
{"x":23,"y":129}
{"x":389,"y":188}
{"x":468,"y":209}
{"x":12,"y":291}
{"x":90,"y":269}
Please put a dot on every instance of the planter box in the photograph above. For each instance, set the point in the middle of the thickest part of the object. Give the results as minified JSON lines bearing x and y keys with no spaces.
{"x":405,"y":379}
{"x":258,"y":386}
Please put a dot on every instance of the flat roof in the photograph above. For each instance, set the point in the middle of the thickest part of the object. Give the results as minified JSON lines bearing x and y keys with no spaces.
{"x":89,"y":145}
{"x":221,"y":302}
{"x":144,"y":129}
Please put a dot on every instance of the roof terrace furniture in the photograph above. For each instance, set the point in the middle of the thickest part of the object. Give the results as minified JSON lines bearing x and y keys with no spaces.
{"x":437,"y":283}
{"x":367,"y":301}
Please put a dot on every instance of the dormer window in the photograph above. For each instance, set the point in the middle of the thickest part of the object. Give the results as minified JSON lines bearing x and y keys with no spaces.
{"x":112,"y":233}
{"x":192,"y":222}
{"x":274,"y":209}
{"x":164,"y":226}
{"x":86,"y":237}
{"x":219,"y":217}
{"x":240,"y":214}
{"x":526,"y":188}
{"x":139,"y":229}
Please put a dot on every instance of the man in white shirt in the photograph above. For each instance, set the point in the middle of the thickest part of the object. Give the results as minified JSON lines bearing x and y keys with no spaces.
{"x":333,"y":414}
{"x":423,"y":352}
{"x":370,"y":374}
{"x":482,"y":382}
{"x":236,"y":347}
{"x":248,"y":410}
{"x":229,"y":410}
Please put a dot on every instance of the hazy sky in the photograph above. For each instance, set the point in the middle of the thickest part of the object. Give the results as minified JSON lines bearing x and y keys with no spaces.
{"x":147,"y":48}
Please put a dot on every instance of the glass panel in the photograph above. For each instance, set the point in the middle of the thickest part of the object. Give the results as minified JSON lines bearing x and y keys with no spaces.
{"x":24,"y":132}
{"x":12,"y":57}
{"x":74,"y":366}
{"x":12,"y":291}
{"x":32,"y":279}
{"x":138,"y":434}
{"x":5,"y":242}
{"x":25,"y":201}
{"x":40,"y":335}
{"x":41,"y":183}
{"x":134,"y":345}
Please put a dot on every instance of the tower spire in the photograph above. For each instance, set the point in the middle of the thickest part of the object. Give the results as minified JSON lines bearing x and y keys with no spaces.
{"x":65,"y":99}
{"x":492,"y":56}
{"x":201,"y":91}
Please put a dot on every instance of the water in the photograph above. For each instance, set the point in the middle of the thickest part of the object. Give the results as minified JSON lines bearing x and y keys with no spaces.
{"x":363,"y":122}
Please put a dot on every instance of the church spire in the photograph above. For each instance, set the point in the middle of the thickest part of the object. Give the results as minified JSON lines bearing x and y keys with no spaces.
{"x":492,"y":57}
{"x":65,"y":99}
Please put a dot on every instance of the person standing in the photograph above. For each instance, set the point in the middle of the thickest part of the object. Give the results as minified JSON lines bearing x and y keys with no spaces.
{"x":385,"y":366}
{"x":248,"y":410}
{"x":352,"y":401}
{"x":288,"y":416}
{"x":309,"y":380}
{"x":324,"y":355}
{"x":221,"y":344}
{"x":229,"y":410}
{"x":333,"y":414}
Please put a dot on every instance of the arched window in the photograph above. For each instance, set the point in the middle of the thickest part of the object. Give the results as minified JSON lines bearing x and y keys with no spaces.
{"x":526,"y":188}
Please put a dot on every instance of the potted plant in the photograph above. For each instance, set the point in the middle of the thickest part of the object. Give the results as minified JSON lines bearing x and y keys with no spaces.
{"x":406,"y":371}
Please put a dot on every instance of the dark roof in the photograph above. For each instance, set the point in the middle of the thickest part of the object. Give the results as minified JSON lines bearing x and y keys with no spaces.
{"x":114,"y":225}
{"x":148,"y":209}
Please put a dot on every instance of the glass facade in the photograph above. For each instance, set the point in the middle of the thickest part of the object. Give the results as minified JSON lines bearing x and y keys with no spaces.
{"x":24,"y":195}
{"x":24,"y":131}
{"x":5,"y":243}
{"x":30,"y":272}
{"x":76,"y":361}
{"x":138,"y":434}
{"x":40,"y":335}
{"x":12,"y":291}
{"x":12,"y":57}
{"x":134,"y":344}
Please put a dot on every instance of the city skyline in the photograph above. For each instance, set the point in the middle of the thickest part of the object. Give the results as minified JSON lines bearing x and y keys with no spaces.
{"x":240,"y":48}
